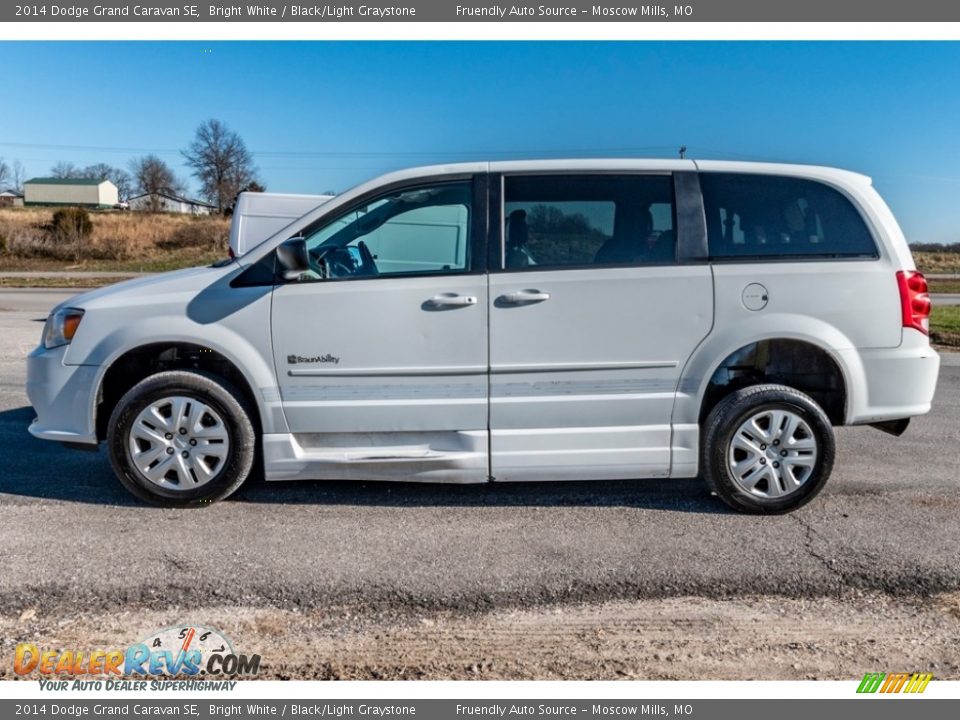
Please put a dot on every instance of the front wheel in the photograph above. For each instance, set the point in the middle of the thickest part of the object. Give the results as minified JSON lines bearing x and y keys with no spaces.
{"x":181,"y":438}
{"x":767,"y":449}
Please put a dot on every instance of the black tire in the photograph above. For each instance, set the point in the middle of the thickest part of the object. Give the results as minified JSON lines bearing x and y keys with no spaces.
{"x":217,"y":394}
{"x":726,"y":418}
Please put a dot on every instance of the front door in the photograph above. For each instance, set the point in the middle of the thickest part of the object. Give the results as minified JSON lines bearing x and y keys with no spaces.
{"x":591,"y":321}
{"x":381,"y":349}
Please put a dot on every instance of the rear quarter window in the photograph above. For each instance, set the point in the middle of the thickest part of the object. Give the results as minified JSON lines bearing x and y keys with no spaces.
{"x":770,"y":217}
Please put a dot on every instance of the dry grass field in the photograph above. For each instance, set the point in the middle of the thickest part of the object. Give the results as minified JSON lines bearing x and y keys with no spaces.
{"x":934,"y":263}
{"x":120,"y":241}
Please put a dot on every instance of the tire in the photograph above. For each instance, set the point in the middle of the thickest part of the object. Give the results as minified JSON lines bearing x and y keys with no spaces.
{"x":767,"y":449}
{"x":182,"y":438}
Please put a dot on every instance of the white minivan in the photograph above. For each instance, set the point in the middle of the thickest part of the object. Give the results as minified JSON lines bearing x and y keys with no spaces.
{"x":512,"y":321}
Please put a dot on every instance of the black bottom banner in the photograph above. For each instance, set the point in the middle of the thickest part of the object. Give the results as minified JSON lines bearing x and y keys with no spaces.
{"x":875,"y":708}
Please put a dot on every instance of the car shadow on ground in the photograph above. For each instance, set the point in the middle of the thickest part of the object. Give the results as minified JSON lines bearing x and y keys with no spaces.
{"x":31,"y":468}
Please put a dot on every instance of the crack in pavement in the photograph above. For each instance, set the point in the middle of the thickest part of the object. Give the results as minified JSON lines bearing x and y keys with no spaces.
{"x":828,"y":564}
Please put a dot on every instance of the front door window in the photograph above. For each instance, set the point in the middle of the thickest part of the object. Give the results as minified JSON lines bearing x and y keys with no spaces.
{"x":420,"y":231}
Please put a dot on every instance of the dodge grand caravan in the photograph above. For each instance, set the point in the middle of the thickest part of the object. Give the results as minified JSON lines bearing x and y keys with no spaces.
{"x":512,"y":321}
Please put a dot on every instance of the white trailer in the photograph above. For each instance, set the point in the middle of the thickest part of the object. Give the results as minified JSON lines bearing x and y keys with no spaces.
{"x":257,"y":216}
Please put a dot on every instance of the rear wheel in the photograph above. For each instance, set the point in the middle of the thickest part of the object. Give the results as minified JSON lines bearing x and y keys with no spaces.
{"x":181,"y":438}
{"x":767,"y":449}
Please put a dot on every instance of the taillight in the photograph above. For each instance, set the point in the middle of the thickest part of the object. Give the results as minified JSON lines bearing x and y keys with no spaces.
{"x":914,"y":300}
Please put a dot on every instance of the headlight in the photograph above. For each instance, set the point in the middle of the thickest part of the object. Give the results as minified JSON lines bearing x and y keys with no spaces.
{"x":61,"y":327}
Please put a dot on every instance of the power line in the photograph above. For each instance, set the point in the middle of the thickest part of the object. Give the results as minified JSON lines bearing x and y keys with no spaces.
{"x":359,"y":154}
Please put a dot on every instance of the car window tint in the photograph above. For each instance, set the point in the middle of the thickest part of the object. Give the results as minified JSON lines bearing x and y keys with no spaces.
{"x":769,"y":216}
{"x":587,"y":220}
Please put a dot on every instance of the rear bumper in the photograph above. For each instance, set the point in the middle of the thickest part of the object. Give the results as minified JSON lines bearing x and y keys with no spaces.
{"x":897,"y":382}
{"x":62,"y":397}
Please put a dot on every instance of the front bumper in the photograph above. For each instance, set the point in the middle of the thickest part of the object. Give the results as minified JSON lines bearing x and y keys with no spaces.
{"x":62,"y":396}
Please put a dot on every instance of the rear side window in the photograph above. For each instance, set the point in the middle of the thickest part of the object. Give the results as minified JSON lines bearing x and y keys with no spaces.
{"x":764,"y":216}
{"x":575,"y":221}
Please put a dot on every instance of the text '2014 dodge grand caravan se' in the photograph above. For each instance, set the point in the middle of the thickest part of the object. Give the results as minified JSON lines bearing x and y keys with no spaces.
{"x":512,"y":321}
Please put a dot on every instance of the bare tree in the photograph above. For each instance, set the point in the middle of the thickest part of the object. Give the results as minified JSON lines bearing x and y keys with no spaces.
{"x":99,"y":171}
{"x":152,"y":176}
{"x":124,"y":182}
{"x":120,"y":178}
{"x":64,"y":170}
{"x":5,"y":175}
{"x":221,"y":162}
{"x":19,"y":177}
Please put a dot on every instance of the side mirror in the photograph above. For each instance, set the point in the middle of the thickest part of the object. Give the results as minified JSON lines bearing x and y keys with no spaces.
{"x":292,"y":258}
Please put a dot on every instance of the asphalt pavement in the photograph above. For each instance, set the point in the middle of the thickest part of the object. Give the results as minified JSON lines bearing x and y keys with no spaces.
{"x":33,"y":300}
{"x":72,"y":537}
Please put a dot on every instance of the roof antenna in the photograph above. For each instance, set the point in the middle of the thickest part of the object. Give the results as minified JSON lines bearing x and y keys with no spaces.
{"x":683,"y":151}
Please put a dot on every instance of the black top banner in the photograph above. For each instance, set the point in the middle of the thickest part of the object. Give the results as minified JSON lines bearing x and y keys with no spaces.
{"x":737,"y":11}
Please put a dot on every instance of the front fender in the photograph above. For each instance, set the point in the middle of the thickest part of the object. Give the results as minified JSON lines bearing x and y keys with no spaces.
{"x":242,"y":337}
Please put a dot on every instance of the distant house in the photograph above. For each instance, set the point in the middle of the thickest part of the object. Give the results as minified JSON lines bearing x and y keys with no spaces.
{"x":70,"y":191}
{"x":168,"y":202}
{"x":8,"y":198}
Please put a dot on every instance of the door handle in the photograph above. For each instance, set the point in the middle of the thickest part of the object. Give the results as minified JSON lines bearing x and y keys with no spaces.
{"x":521,"y":297}
{"x":451,"y":300}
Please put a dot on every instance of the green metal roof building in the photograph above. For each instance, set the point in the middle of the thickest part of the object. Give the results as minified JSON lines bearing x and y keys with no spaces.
{"x":78,"y":192}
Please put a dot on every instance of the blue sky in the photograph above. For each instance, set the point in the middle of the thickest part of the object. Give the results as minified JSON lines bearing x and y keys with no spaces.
{"x":323,"y":116}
